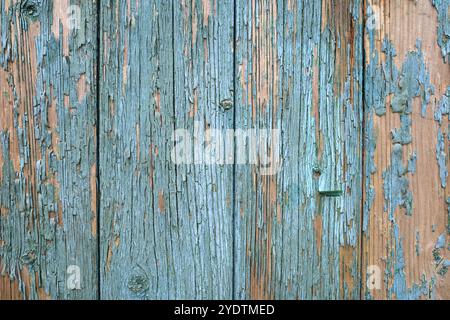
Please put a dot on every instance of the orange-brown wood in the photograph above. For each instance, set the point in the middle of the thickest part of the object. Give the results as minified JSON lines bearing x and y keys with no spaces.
{"x":403,"y":23}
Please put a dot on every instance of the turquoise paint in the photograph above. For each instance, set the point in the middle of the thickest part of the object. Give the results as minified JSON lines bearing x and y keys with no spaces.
{"x":190,"y":232}
{"x":396,"y":262}
{"x":448,"y":220}
{"x":442,"y":265}
{"x":440,"y":243}
{"x":289,"y":259}
{"x":443,"y":107}
{"x":412,"y":163}
{"x":379,"y":79}
{"x":51,"y":245}
{"x":412,"y":81}
{"x":184,"y":215}
{"x":397,"y":192}
{"x":441,"y":158}
{"x":166,"y":230}
{"x":443,"y":31}
{"x":417,"y":245}
{"x":369,"y":168}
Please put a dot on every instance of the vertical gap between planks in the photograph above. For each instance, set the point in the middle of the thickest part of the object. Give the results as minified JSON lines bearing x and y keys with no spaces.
{"x":363,"y":153}
{"x":233,"y":223}
{"x":98,"y":197}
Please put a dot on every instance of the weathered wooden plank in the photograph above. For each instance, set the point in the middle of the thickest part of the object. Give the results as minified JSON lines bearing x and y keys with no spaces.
{"x":300,"y":71}
{"x":48,"y":224}
{"x":204,"y":95}
{"x":405,"y":249}
{"x":166,"y":229}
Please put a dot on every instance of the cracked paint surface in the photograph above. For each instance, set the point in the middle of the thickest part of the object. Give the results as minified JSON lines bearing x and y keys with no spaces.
{"x":364,"y":146}
{"x":166,"y":230}
{"x":296,"y":241}
{"x":47,"y":137}
{"x":443,"y":31}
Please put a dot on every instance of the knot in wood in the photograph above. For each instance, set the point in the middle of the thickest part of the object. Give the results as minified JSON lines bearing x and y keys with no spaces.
{"x":30,"y":8}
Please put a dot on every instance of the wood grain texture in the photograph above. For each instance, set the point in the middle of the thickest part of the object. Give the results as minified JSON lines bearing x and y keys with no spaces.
{"x":248,"y":149}
{"x":48,"y":149}
{"x":406,"y":193}
{"x":166,"y":229}
{"x":300,"y":71}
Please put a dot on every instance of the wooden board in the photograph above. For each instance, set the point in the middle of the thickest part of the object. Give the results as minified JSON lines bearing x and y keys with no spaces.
{"x":48,"y":165}
{"x":406,"y":211}
{"x":300,"y":72}
{"x":166,"y":229}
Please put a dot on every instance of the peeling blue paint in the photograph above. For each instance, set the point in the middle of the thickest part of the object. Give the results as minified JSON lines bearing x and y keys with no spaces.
{"x":413,"y":81}
{"x":443,"y":31}
{"x":418,"y":248}
{"x":48,"y":151}
{"x":440,"y":243}
{"x":443,"y":107}
{"x":396,"y":261}
{"x":448,"y":219}
{"x":383,"y":81}
{"x":173,"y":232}
{"x":313,"y":83}
{"x":441,"y":157}
{"x":397,"y":192}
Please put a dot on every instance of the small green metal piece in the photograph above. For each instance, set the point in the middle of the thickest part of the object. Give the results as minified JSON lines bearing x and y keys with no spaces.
{"x":331,"y":193}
